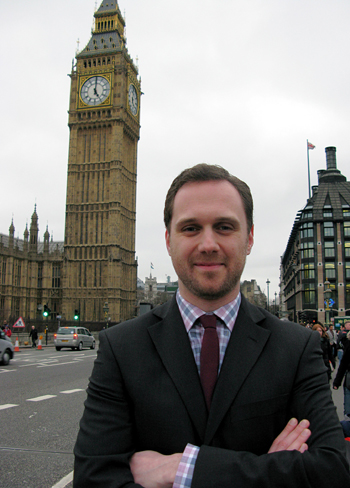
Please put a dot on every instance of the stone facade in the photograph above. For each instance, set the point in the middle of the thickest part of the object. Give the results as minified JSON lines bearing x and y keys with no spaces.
{"x":30,"y":274}
{"x":96,"y":263}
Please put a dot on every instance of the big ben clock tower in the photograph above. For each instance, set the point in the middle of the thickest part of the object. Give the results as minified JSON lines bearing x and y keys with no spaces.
{"x":104,"y":120}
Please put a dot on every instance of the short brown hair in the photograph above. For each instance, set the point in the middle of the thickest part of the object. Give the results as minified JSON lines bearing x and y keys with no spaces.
{"x":207,"y":172}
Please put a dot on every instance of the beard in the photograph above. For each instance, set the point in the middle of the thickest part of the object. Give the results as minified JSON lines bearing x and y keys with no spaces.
{"x":208,"y":286}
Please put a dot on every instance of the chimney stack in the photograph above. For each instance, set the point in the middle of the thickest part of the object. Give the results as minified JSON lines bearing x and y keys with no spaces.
{"x":331,"y":158}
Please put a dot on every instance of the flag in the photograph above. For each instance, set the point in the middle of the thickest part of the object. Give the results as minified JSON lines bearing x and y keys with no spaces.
{"x":152,"y":267}
{"x":310,"y":146}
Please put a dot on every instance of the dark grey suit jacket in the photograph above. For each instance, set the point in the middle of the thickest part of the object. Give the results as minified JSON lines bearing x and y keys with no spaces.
{"x":145,"y":393}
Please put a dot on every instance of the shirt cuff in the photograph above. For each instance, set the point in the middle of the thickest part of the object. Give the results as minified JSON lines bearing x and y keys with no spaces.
{"x":184,"y":474}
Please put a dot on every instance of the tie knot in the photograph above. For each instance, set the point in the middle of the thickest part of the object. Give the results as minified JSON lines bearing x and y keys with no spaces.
{"x":208,"y":321}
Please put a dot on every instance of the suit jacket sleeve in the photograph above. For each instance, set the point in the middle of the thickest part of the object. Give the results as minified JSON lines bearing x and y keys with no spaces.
{"x":324,"y":461}
{"x":105,"y":440}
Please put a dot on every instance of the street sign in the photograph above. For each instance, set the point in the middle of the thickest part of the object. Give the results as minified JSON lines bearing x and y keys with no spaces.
{"x":19,"y":323}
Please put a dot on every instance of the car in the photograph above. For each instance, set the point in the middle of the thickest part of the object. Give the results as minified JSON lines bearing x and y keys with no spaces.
{"x":74,"y":338}
{"x":6,"y":349}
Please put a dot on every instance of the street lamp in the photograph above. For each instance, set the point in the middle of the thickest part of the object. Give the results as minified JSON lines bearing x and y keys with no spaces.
{"x":268,"y":295}
{"x":275,"y":302}
{"x":106,"y":310}
{"x":327,"y":298}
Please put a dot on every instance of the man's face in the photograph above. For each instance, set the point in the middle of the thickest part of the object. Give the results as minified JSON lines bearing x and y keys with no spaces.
{"x":208,"y":242}
{"x":347,"y":326}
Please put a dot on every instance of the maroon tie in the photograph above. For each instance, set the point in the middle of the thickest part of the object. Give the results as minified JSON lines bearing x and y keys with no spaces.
{"x":209,"y":364}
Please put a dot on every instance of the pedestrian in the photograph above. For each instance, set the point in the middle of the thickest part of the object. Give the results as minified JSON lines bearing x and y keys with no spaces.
{"x":208,"y":390}
{"x":342,"y":339}
{"x":327,"y":354}
{"x":34,"y":335}
{"x":332,"y":336}
{"x":343,"y":373}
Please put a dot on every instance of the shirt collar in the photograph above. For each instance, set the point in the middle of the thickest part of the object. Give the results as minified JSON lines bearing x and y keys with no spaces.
{"x":190,"y":313}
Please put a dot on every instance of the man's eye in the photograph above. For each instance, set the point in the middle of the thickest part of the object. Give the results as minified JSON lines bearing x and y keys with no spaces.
{"x":225,"y":227}
{"x":189,"y":228}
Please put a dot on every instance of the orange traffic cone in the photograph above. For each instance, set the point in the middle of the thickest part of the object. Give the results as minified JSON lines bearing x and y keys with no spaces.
{"x":39,"y":344}
{"x":17,"y":345}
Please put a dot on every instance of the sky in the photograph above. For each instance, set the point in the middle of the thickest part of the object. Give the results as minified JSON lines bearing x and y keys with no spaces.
{"x":239,"y":83}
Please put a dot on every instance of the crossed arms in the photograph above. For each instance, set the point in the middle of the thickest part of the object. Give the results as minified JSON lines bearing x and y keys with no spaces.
{"x":154,"y":470}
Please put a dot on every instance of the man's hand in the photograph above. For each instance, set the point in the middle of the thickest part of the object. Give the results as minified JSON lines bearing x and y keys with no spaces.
{"x":293,"y":437}
{"x":154,"y":470}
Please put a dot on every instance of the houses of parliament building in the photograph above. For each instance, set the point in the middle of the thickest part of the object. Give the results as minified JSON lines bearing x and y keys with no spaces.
{"x":94,"y":270}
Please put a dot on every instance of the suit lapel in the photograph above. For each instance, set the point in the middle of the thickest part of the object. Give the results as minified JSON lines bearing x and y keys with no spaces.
{"x":246,"y":344}
{"x":173,"y":346}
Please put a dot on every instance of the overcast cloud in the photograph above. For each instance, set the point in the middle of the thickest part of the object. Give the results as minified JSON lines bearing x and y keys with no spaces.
{"x":240,"y":83}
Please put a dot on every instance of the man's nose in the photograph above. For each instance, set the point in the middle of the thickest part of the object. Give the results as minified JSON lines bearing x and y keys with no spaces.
{"x":208,"y":241}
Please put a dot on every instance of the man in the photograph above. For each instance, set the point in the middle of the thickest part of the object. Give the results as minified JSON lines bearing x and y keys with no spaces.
{"x":155,"y":418}
{"x":332,"y":335}
{"x":34,"y":335}
{"x":343,"y":373}
{"x":342,"y":336}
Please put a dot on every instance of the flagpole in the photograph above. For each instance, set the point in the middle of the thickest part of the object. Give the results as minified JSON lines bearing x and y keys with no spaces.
{"x":308,"y":167}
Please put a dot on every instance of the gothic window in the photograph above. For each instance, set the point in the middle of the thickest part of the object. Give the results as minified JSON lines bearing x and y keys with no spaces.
{"x":40,"y":275}
{"x":56,"y":275}
{"x":3,"y":269}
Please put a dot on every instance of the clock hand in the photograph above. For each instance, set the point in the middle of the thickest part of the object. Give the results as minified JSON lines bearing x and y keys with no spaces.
{"x":95,"y":89}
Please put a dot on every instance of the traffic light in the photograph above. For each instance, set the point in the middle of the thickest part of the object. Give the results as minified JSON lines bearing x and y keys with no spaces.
{"x":46,"y":311}
{"x":76,"y":314}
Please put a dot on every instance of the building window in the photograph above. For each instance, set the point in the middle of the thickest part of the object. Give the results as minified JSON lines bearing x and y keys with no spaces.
{"x":346,"y":210}
{"x":347,"y":229}
{"x":329,"y":249}
{"x":347,"y":271}
{"x":327,"y":211}
{"x":307,"y":250}
{"x":40,"y":275}
{"x":309,"y":293}
{"x":328,"y":229}
{"x":56,"y":275}
{"x":347,"y":249}
{"x":3,"y":270}
{"x":307,"y":230}
{"x":308,"y":271}
{"x":330,"y":271}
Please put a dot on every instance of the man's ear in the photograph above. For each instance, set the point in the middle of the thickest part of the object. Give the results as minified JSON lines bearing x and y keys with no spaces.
{"x":167,"y":241}
{"x":250,"y":240}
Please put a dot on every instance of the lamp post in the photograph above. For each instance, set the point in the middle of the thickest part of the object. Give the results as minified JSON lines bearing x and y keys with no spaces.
{"x":275,"y":302}
{"x":106,"y":310}
{"x":327,"y":297}
{"x":268,"y":293}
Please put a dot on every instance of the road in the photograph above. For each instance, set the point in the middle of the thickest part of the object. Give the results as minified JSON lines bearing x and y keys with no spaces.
{"x":41,"y":402}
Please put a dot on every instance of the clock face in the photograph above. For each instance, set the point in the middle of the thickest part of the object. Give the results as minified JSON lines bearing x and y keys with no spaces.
{"x":133,"y":104}
{"x":95,"y":90}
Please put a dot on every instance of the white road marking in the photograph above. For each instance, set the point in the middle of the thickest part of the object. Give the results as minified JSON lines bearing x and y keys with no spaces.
{"x":56,"y":364}
{"x":41,"y":398}
{"x":8,"y":405}
{"x":68,"y":392}
{"x":7,"y":370}
{"x":64,"y":481}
